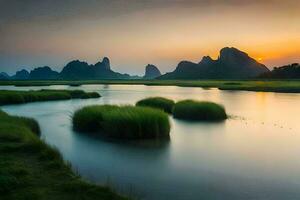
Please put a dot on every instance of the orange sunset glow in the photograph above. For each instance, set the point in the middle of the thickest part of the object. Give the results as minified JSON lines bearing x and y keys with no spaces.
{"x":142,"y":32}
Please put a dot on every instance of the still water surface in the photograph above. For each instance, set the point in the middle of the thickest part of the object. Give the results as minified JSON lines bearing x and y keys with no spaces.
{"x":253,"y":155}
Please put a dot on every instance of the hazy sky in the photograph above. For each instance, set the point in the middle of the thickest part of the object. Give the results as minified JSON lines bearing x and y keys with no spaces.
{"x":133,"y":33}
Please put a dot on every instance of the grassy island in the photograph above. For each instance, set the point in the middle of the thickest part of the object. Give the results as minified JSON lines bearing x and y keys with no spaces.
{"x":157,"y":102}
{"x":30,"y":169}
{"x":124,"y":122}
{"x":19,"y":97}
{"x":199,"y":111}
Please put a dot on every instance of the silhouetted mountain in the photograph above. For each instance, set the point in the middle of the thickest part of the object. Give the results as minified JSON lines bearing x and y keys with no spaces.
{"x":82,"y":70}
{"x":4,"y":76}
{"x":151,"y":72}
{"x":231,"y":64}
{"x":43,"y":73}
{"x":21,"y":75}
{"x":285,"y":72}
{"x":104,"y":65}
{"x":75,"y":70}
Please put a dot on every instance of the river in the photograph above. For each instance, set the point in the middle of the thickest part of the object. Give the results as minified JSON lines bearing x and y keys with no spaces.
{"x":253,"y":155}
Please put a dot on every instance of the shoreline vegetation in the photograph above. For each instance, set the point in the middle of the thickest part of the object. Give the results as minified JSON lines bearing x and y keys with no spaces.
{"x":122,"y":122}
{"x":18,"y":97}
{"x":31,"y":169}
{"x":284,"y":86}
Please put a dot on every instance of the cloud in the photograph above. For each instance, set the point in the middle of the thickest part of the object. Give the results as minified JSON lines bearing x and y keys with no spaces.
{"x":13,"y":10}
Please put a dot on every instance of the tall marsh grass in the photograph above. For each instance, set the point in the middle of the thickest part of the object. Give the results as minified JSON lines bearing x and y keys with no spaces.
{"x":199,"y":111}
{"x":125,"y":122}
{"x":157,"y":102}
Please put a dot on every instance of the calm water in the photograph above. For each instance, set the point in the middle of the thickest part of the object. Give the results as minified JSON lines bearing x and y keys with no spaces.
{"x":254,"y":155}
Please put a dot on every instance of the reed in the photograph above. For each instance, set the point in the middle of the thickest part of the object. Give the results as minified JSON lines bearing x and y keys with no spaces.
{"x":199,"y":111}
{"x":157,"y":102}
{"x":124,"y":122}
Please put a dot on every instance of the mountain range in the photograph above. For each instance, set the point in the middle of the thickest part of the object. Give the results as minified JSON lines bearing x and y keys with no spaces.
{"x":230,"y":64}
{"x":74,"y":70}
{"x":285,"y":72}
{"x":81,"y":70}
{"x":4,"y":76}
{"x":151,"y":72}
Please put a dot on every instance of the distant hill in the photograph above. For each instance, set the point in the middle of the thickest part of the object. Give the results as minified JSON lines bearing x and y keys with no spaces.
{"x":151,"y":72}
{"x":285,"y":72}
{"x":74,"y":70}
{"x":21,"y":75}
{"x":43,"y":73}
{"x":4,"y":76}
{"x":81,"y":70}
{"x":231,"y":64}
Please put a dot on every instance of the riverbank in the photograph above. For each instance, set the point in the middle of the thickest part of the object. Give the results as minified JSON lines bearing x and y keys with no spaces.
{"x":197,"y":153}
{"x":30,"y":169}
{"x":286,"y":86}
{"x":19,"y":97}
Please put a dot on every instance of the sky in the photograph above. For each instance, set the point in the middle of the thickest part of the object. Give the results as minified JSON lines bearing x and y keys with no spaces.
{"x":134,"y":33}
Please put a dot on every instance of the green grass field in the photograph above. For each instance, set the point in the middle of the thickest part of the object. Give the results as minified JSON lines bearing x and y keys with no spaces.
{"x":19,"y":97}
{"x":292,"y":86}
{"x":30,"y":169}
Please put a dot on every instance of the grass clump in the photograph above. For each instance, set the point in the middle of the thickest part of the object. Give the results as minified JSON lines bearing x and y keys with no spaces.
{"x":199,"y":110}
{"x":89,"y":95}
{"x":74,"y":84}
{"x":29,"y":123}
{"x":31,"y":169}
{"x":32,"y":124}
{"x":157,"y":102}
{"x":19,"y":97}
{"x":77,"y":94}
{"x":124,"y":122}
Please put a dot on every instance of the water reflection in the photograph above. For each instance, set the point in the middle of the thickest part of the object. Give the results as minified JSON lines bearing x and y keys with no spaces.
{"x":138,"y":144}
